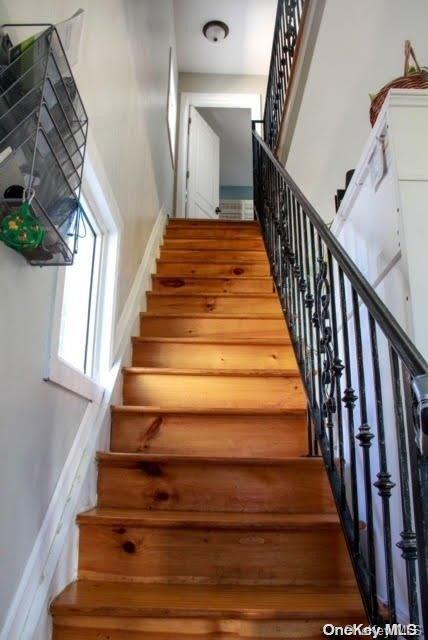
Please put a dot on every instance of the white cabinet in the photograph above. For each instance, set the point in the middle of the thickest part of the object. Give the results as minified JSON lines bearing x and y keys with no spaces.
{"x":383,"y":219}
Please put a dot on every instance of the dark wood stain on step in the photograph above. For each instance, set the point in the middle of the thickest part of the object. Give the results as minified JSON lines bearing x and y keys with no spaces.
{"x":129,"y":546}
{"x":174,"y":283}
{"x":151,"y":431}
{"x":152,"y":469}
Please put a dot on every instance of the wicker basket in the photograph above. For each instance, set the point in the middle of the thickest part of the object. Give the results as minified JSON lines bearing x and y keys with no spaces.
{"x":417,"y":79}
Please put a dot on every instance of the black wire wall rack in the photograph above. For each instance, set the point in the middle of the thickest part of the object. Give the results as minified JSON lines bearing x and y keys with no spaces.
{"x":43,"y":136}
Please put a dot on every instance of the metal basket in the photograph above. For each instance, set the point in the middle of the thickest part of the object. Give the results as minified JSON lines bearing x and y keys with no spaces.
{"x":43,"y":134}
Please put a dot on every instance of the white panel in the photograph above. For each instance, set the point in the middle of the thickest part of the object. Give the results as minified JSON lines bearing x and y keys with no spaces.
{"x":204,"y":169}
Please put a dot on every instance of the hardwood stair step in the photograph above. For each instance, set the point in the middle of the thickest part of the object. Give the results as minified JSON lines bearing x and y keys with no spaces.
{"x":211,"y":232}
{"x":213,"y":255}
{"x":93,"y":610}
{"x":86,"y":597}
{"x":216,"y":327}
{"x":239,"y":484}
{"x":208,"y":388}
{"x":194,"y":520}
{"x":228,"y":269}
{"x":217,"y":244}
{"x":204,"y":431}
{"x":188,"y":284}
{"x":199,"y":352}
{"x":200,"y":222}
{"x":213,"y":548}
{"x":214,"y":304}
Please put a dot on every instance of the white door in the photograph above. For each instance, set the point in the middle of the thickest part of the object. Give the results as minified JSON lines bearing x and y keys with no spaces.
{"x":203,"y":177}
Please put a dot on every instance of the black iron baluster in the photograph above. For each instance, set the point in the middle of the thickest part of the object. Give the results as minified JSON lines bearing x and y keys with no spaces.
{"x":418,"y":468}
{"x":280,"y":89}
{"x":337,"y":368}
{"x":408,"y":537}
{"x":383,"y":483}
{"x":322,"y":305}
{"x":297,"y":275}
{"x":282,"y":239}
{"x":349,"y":399}
{"x":302,"y":290}
{"x":365,"y":437}
{"x":316,"y":325}
{"x":292,"y":261}
{"x":288,"y":256}
{"x":309,"y":303}
{"x":296,"y":279}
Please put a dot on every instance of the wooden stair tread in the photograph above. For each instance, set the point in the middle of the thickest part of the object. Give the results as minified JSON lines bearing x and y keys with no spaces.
{"x":209,"y":277}
{"x":209,"y":340}
{"x":224,"y":262}
{"x":111,"y":516}
{"x":118,"y":458}
{"x":224,"y":411}
{"x":178,"y":294}
{"x":174,"y":222}
{"x":193,"y":255}
{"x":244,"y":373}
{"x":203,"y":233}
{"x":241,"y":316}
{"x":87,"y":597}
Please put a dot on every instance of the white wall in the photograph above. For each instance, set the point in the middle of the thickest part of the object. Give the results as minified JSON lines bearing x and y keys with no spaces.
{"x":359,"y":49}
{"x":123,"y":79}
{"x":233,"y":126}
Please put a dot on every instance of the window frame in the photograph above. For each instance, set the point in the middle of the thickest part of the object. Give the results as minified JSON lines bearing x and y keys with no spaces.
{"x":92,"y":319}
{"x":58,"y":371}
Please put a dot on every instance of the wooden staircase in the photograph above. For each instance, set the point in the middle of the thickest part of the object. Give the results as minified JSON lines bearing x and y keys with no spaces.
{"x":211,"y":521}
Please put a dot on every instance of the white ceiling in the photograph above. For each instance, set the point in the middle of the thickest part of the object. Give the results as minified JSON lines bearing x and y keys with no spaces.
{"x":247,"y":48}
{"x":233,"y":126}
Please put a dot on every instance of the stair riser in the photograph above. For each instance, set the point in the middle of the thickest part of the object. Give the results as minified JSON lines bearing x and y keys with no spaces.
{"x":98,"y":628}
{"x":211,"y":285}
{"x":219,"y":244}
{"x":210,"y":434}
{"x":209,"y":233}
{"x":202,"y":391}
{"x":180,"y":303}
{"x":212,"y":356}
{"x":214,"y":556}
{"x":184,"y":255}
{"x":229,"y":269}
{"x":251,"y":328}
{"x":297,"y":487}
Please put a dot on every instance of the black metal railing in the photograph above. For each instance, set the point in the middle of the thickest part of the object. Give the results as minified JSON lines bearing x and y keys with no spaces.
{"x":367,"y":393}
{"x":289,"y":19}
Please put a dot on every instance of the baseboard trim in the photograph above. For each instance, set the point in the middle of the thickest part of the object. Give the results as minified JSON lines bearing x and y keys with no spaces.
{"x":141,"y":283}
{"x":31,"y":596}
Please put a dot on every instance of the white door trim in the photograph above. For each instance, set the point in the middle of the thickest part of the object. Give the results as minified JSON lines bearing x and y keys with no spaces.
{"x":250,"y":101}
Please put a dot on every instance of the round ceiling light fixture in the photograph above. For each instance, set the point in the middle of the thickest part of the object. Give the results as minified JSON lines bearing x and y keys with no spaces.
{"x":215,"y":30}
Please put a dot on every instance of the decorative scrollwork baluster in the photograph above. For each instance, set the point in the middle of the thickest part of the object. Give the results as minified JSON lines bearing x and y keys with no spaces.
{"x":330,"y":367}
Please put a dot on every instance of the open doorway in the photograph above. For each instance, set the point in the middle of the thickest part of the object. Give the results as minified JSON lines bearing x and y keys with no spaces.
{"x":214,"y":172}
{"x":235,"y":189}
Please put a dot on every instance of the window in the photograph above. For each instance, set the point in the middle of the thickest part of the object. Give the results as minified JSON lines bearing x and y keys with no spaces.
{"x":81,"y":346}
{"x":80,"y":298}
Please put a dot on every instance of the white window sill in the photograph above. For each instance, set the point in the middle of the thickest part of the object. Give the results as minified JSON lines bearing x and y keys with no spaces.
{"x":66,"y":376}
